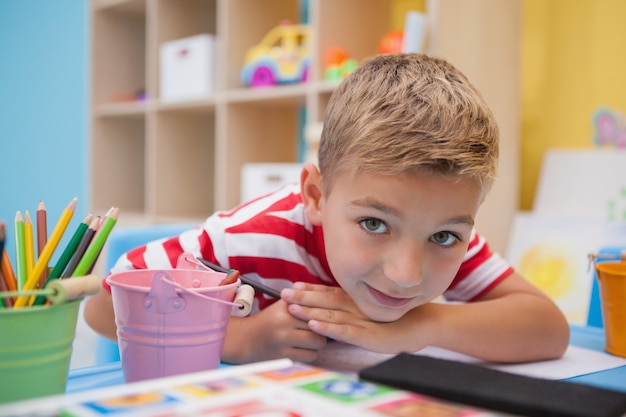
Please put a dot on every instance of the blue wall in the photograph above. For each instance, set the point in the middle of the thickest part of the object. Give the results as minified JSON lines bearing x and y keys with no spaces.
{"x":43,"y":109}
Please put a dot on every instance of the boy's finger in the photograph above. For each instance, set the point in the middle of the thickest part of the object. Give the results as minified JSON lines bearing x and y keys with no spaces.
{"x":307,"y":286}
{"x":307,"y":298}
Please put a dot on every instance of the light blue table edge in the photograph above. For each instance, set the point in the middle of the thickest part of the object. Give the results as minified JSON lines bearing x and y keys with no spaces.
{"x":593,"y":338}
{"x":586,"y":337}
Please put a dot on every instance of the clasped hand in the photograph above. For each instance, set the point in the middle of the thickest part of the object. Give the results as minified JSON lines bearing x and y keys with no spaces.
{"x":299,"y":324}
{"x":331,"y":312}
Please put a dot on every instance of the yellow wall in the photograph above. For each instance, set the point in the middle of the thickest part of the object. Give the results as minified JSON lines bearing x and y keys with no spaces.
{"x":401,"y":7}
{"x":573,"y":61}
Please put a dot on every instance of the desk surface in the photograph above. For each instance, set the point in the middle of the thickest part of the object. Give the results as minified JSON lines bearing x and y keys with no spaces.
{"x":593,"y":338}
{"x":586,"y":337}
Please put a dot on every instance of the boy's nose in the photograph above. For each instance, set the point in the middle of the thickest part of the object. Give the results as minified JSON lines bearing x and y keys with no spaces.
{"x":404,"y":266}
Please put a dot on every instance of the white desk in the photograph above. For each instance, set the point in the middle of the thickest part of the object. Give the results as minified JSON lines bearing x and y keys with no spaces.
{"x":586,"y":337}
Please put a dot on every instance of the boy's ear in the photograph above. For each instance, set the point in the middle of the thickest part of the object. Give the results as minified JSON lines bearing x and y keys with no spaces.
{"x":311,"y":186}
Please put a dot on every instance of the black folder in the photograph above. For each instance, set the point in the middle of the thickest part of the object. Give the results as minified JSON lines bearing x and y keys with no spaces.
{"x":494,"y":390}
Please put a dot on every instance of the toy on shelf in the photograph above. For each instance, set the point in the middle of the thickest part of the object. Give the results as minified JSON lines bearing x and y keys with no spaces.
{"x":281,"y":57}
{"x":338,"y":64}
{"x":391,"y":42}
{"x":413,"y":39}
{"x":140,"y":95}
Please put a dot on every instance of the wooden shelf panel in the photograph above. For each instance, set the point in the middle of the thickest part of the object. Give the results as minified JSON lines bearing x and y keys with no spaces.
{"x":118,"y":163}
{"x":123,"y":109}
{"x":127,"y":7}
{"x":181,"y":167}
{"x":118,"y":52}
{"x":267,"y":133}
{"x":293,"y":93}
{"x":197,"y":106}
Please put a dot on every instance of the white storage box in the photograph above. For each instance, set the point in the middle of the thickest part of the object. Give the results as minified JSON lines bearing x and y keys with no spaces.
{"x":262,"y":178}
{"x":187,"y":68}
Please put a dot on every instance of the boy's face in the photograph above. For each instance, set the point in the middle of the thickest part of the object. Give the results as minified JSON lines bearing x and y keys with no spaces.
{"x":396,"y":242}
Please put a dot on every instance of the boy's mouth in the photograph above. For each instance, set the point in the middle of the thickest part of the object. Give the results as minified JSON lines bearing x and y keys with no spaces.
{"x":387,"y":300}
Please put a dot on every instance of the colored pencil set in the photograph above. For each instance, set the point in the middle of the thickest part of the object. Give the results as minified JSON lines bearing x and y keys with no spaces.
{"x":32,"y":272}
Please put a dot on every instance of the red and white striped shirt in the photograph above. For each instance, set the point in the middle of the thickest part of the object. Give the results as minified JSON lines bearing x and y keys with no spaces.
{"x":271,"y":240}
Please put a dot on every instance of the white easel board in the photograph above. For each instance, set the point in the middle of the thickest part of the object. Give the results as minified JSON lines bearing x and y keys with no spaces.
{"x":587,"y":182}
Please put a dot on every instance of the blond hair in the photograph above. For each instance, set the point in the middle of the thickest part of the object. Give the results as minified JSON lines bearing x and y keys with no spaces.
{"x":399,"y":113}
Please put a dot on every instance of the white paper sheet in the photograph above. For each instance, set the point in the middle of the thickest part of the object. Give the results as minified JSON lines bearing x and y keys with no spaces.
{"x":576,"y":361}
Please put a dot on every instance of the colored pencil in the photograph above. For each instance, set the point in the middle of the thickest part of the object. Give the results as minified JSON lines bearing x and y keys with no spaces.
{"x":66,"y":255}
{"x":82,"y":247}
{"x":4,"y":285}
{"x":29,"y":244}
{"x":71,"y":247}
{"x":97,"y":243}
{"x":20,"y":251}
{"x":3,"y":235}
{"x":107,"y":214}
{"x":4,"y":302}
{"x":7,"y":270}
{"x":42,"y":236}
{"x":3,"y":238}
{"x":48,"y":250}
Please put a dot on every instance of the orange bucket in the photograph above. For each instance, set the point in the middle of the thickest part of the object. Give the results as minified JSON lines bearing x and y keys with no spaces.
{"x":612,"y":279}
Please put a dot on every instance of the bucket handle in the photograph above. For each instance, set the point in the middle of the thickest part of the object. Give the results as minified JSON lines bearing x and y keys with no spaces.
{"x":240,"y":307}
{"x":58,"y":291}
{"x":594,"y":257}
{"x":191,"y":259}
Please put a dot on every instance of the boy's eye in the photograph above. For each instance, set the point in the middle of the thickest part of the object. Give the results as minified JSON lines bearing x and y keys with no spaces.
{"x":373,"y":225}
{"x":444,"y":238}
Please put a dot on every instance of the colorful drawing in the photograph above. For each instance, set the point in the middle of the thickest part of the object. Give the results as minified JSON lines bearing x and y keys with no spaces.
{"x":292,"y":372}
{"x":297,"y":391}
{"x":418,"y":405}
{"x":617,"y":205}
{"x":126,"y":403}
{"x":345,"y":390}
{"x":551,"y":266}
{"x":218,"y":386}
{"x":583,"y":182}
{"x":254,"y":408}
{"x":610,"y":128}
{"x":551,"y":251}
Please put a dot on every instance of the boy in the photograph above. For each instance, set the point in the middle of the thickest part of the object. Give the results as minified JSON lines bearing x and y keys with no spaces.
{"x":365,"y":243}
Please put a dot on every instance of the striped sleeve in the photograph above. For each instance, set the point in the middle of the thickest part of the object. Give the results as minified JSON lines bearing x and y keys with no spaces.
{"x":480,"y":271}
{"x":161,"y":253}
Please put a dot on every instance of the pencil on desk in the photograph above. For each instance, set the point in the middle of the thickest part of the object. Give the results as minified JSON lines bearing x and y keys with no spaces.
{"x":82,"y":247}
{"x":48,"y":250}
{"x":66,"y":255}
{"x":96,"y":244}
{"x":42,"y":236}
{"x":20,"y":251}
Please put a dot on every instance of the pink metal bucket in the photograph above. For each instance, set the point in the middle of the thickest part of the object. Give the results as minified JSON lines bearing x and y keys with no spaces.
{"x":170,"y":322}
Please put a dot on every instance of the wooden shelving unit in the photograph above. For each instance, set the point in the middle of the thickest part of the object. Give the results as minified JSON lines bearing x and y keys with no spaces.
{"x":179,"y":162}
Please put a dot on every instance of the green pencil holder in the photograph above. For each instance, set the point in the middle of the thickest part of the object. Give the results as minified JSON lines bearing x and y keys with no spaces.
{"x":35,"y":349}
